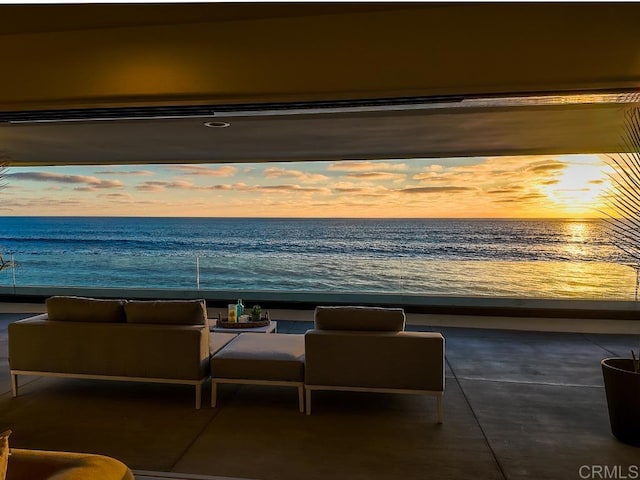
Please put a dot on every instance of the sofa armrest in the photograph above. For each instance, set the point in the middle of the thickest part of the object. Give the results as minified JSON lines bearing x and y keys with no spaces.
{"x":41,"y":317}
{"x":43,"y":465}
{"x":394,"y":360}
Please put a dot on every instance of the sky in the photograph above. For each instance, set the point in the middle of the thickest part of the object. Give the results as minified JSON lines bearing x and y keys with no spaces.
{"x":568,"y":186}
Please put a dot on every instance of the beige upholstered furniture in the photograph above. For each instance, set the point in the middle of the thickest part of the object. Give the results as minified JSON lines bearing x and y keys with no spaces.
{"x":42,"y":465}
{"x":367,"y":349}
{"x":256,"y":358}
{"x":153,"y":341}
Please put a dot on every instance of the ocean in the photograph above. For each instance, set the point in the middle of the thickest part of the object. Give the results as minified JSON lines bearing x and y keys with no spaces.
{"x":503,"y":258}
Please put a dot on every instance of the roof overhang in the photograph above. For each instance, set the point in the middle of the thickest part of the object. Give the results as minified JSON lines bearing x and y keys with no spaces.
{"x":446,"y":127}
{"x":450,"y":69}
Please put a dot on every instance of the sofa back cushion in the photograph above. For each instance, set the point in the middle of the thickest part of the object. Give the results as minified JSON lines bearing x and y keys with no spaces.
{"x":80,"y":309}
{"x":167,"y":312}
{"x":360,"y":318}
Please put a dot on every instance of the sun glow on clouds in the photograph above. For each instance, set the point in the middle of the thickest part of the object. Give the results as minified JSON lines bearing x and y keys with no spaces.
{"x":578,"y":186}
{"x":499,"y":187}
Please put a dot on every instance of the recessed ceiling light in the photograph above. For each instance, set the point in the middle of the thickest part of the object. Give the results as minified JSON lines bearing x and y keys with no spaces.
{"x":217,"y":124}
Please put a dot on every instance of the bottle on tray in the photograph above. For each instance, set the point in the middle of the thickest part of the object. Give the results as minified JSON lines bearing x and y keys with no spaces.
{"x":239,"y":309}
{"x":231,"y":313}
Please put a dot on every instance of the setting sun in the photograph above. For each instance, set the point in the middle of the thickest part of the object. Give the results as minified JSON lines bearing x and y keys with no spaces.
{"x":578,"y":188}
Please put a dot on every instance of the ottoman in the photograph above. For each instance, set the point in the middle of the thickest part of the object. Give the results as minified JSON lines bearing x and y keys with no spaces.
{"x":259,"y":359}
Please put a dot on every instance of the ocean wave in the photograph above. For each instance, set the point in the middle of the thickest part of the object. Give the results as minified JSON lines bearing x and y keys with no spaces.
{"x":416,"y":256}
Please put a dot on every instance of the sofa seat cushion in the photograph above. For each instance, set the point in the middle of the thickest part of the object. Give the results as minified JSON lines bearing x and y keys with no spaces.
{"x":167,"y":312}
{"x":80,"y":309}
{"x":218,"y":340}
{"x":360,"y":318}
{"x":261,"y":356}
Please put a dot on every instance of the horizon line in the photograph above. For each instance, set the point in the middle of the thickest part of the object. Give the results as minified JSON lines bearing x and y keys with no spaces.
{"x":308,"y":218}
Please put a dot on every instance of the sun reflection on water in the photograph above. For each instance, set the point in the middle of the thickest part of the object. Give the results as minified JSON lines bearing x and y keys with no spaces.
{"x":531,"y":279}
{"x":578,"y":234}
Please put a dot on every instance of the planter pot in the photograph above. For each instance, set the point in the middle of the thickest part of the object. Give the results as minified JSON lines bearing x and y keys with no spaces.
{"x":622,"y":385}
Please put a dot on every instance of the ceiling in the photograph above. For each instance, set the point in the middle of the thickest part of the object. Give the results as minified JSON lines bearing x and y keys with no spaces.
{"x":349,"y":80}
{"x":41,"y":18}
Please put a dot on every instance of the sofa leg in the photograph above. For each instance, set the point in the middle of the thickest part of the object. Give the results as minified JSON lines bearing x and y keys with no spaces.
{"x":308,"y":392}
{"x":198,"y":396}
{"x":214,"y":393}
{"x":440,"y":408}
{"x":14,"y":384}
{"x":301,"y":398}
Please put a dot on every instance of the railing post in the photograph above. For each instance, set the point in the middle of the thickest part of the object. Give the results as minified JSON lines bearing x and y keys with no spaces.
{"x":198,"y":273}
{"x":13,"y":273}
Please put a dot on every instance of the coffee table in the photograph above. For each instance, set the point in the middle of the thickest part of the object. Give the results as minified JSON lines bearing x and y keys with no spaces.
{"x":271,"y":328}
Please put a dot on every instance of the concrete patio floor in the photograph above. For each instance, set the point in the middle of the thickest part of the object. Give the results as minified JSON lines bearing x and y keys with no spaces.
{"x":518,"y":404}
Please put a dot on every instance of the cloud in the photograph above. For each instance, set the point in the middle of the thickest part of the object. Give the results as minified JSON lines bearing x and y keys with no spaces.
{"x":347,"y":166}
{"x":183,"y":185}
{"x":288,"y":189}
{"x":350,"y":189}
{"x":151,"y":186}
{"x":378,"y":176}
{"x":223,"y":171}
{"x":512,"y":189}
{"x":547,"y":166}
{"x":285,"y":188}
{"x":447,"y":189}
{"x":117,"y":196}
{"x":531,"y":196}
{"x":433,"y":177}
{"x":273,"y":172}
{"x":158,"y":186}
{"x":125,"y":172}
{"x":89,"y":181}
{"x":521,"y":198}
{"x":40,"y":203}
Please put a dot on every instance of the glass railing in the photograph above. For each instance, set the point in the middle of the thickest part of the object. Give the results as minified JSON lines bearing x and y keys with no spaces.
{"x":325,"y":273}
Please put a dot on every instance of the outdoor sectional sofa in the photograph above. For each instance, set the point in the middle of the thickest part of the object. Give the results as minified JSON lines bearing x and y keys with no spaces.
{"x":148,"y":341}
{"x":350,"y":348}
